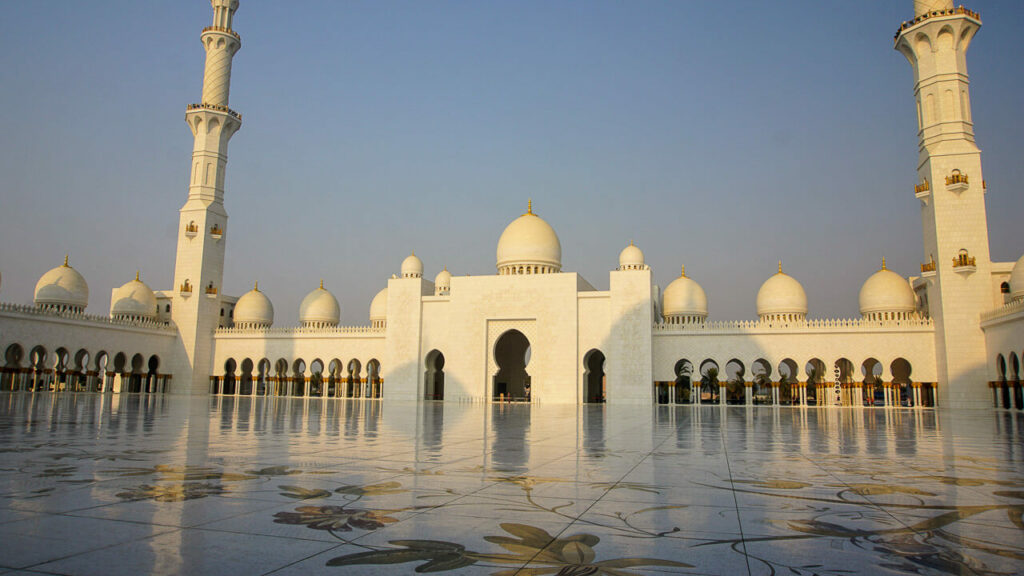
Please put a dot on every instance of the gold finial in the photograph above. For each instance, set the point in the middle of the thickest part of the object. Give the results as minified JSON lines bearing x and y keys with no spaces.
{"x":66,"y":261}
{"x":321,"y":283}
{"x":137,"y":276}
{"x":682,"y":271}
{"x":256,"y":287}
{"x":444,"y":268}
{"x":780,"y":266}
{"x":631,"y":242}
{"x":529,"y":205}
{"x":883,"y":263}
{"x":412,"y":253}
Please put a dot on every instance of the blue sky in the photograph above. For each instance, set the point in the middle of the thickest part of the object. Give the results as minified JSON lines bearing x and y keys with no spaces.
{"x":720,"y":135}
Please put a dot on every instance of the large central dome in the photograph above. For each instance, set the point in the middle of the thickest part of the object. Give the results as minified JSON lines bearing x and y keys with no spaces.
{"x":529,"y":245}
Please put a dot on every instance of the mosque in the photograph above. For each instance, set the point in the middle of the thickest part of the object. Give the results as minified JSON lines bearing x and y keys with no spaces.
{"x":533,"y":332}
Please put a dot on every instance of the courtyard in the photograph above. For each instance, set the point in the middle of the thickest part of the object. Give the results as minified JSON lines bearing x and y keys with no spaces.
{"x":163,"y":484}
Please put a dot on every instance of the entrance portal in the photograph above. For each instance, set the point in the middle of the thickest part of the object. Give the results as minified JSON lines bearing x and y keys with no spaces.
{"x":594,"y":376}
{"x":434,"y":380}
{"x":512,"y":354}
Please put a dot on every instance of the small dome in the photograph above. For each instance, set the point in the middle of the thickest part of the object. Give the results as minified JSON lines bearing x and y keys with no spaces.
{"x":781,"y":294}
{"x":379,"y":306}
{"x":254,"y":309}
{"x":529,"y":242}
{"x":412,"y":267}
{"x":443,"y":282}
{"x":1017,"y":280}
{"x":684,"y":297}
{"x":133,"y":300}
{"x":63,"y":287}
{"x":886,"y":291}
{"x":928,"y":6}
{"x":319,"y":307}
{"x":631,"y":258}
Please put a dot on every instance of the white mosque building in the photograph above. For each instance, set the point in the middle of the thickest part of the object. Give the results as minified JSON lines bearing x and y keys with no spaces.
{"x":952,"y":336}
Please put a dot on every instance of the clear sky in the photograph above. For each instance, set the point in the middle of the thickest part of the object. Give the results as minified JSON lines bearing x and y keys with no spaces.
{"x":723,"y":135}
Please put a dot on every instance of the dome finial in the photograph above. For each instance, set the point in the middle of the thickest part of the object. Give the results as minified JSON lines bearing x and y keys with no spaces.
{"x":682,"y":271}
{"x":137,"y":276}
{"x":66,"y":261}
{"x":444,"y":268}
{"x":321,"y":283}
{"x":631,"y":242}
{"x":256,"y":286}
{"x":883,"y":263}
{"x":780,"y":266}
{"x":529,"y":205}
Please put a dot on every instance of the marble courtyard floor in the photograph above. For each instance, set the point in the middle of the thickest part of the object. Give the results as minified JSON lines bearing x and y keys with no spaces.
{"x":94,"y":484}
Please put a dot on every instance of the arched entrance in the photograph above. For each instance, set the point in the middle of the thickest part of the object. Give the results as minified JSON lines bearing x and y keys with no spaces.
{"x":354,"y":382}
{"x":433,"y":381}
{"x":12,"y":368}
{"x":710,"y":392}
{"x":137,"y":375}
{"x":373,"y":380}
{"x":901,"y":383}
{"x":153,"y":375}
{"x":228,"y":384}
{"x":684,"y":384}
{"x":593,"y":378}
{"x":512,"y":354}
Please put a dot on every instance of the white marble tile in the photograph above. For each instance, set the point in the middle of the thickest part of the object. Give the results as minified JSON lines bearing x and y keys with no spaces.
{"x":196,"y":486}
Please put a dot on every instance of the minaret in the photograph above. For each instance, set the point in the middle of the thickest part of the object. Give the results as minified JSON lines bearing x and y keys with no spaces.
{"x":199,"y":267}
{"x":951,"y":189}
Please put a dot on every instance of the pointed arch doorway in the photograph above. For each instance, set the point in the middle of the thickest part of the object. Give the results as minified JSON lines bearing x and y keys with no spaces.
{"x":594,"y":377}
{"x":434,"y":377}
{"x":512,"y":382}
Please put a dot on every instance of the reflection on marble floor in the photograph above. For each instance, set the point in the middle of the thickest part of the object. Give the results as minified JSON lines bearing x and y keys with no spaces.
{"x":170,"y":485}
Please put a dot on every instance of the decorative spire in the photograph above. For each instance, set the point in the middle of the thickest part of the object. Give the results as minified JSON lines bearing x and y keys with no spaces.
{"x":883,"y":263}
{"x":780,"y":266}
{"x":256,"y":287}
{"x":444,"y":268}
{"x":682,"y":271}
{"x":631,"y":242}
{"x":321,"y":283}
{"x":66,"y":261}
{"x":529,"y":205}
{"x":137,"y":276}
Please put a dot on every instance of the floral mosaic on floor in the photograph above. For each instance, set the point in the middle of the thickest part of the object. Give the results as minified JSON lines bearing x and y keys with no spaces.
{"x":515,"y":490}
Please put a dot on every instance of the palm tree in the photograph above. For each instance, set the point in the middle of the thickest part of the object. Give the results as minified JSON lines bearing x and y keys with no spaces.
{"x":762,"y":382}
{"x":710,"y":383}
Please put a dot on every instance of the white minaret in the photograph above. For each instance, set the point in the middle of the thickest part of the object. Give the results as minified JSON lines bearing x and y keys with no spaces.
{"x":202,"y":232}
{"x":951,"y":189}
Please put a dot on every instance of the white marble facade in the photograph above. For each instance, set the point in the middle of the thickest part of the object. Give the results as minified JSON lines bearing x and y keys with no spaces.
{"x":954,"y":335}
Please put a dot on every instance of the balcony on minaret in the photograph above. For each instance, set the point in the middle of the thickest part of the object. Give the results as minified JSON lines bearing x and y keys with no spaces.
{"x":224,"y":30}
{"x":185,"y":289}
{"x":215,"y":107}
{"x":191,"y":229}
{"x":922,"y":191}
{"x":956,"y":182}
{"x":928,"y":268}
{"x":216,"y":232}
{"x":963,"y":263}
{"x":211,"y":291}
{"x":958,"y":11}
